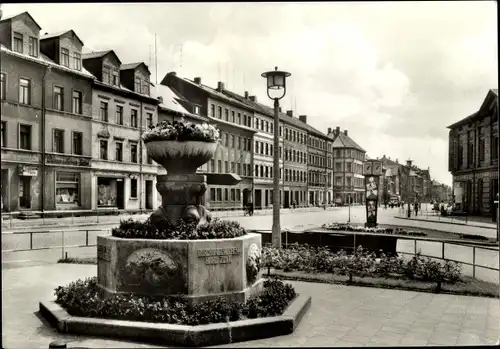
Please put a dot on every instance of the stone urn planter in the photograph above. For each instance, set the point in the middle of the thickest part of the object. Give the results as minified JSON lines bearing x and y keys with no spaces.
{"x":182,"y":190}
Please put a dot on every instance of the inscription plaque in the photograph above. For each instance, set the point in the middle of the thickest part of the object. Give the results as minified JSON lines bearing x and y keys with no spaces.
{"x":104,"y":253}
{"x":218,"y":255}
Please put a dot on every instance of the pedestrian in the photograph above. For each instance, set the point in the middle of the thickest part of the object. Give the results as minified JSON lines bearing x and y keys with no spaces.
{"x":416,"y":209}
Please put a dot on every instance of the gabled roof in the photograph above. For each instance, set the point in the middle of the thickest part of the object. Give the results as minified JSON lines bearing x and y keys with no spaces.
{"x":343,"y":141}
{"x":129,"y":66}
{"x":10,"y":18}
{"x":169,"y":98}
{"x":100,"y":54}
{"x":492,"y":93}
{"x":58,"y":34}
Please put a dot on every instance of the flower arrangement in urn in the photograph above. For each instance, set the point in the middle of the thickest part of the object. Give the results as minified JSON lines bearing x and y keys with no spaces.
{"x":181,"y":147}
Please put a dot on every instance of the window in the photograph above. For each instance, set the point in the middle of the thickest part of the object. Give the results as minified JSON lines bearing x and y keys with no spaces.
{"x":119,"y":115}
{"x":219,"y":166}
{"x":67,"y":188}
{"x":226,"y":167}
{"x":58,"y":98}
{"x":133,"y":188}
{"x":239,"y":118}
{"x":24,"y":91}
{"x":233,"y":195}
{"x":133,"y":117}
{"x":226,"y":194}
{"x":18,"y":42}
{"x":119,"y":151}
{"x":4,"y":134}
{"x":494,"y":153}
{"x":103,"y":149}
{"x":226,"y":113}
{"x":106,"y":74}
{"x":133,"y":152}
{"x":212,"y":110}
{"x":220,"y":112}
{"x":25,"y":137}
{"x":137,"y":85}
{"x":116,"y":78}
{"x":212,"y":165}
{"x":77,"y":61}
{"x":219,"y":194}
{"x":196,"y":110}
{"x":77,"y":143}
{"x":481,"y":149}
{"x":33,"y":46}
{"x":104,"y":111}
{"x":212,"y":194}
{"x":65,"y":57}
{"x":77,"y":102}
{"x":149,"y":119}
{"x":232,"y":141}
{"x":3,"y":85}
{"x":145,"y":88}
{"x":233,"y":118}
{"x":58,"y":141}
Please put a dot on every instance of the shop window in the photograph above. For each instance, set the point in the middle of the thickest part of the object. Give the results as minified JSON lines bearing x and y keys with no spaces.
{"x":133,"y":188}
{"x":106,"y":192}
{"x":67,"y":188}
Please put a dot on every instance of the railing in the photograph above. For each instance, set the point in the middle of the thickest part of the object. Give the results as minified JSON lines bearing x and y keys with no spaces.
{"x":64,"y":234}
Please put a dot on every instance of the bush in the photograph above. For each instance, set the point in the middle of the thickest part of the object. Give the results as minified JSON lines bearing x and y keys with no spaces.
{"x":361,"y":263}
{"x":358,"y":228}
{"x":81,"y":298}
{"x":180,"y":230}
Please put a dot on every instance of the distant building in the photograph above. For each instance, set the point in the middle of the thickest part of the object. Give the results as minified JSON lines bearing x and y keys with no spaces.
{"x":348,"y":158}
{"x":473,"y":158}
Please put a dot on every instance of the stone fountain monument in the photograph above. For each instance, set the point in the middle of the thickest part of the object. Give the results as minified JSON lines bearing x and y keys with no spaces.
{"x":196,"y":269}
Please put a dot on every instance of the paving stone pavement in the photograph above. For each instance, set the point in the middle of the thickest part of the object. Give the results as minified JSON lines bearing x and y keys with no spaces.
{"x":339,"y":315}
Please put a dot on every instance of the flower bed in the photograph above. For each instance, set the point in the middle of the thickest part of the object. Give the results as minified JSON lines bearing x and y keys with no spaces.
{"x":358,"y":228}
{"x":81,"y":298}
{"x":360,"y":264}
{"x":182,"y":132}
{"x":216,"y":229}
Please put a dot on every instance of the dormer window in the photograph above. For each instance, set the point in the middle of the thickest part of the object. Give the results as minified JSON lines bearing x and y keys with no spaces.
{"x":137,"y":86}
{"x":33,"y":46}
{"x":65,"y":57}
{"x":116,"y":78}
{"x":77,"y":61}
{"x":106,"y":75}
{"x":18,"y":42}
{"x":145,"y":88}
{"x":196,"y":110}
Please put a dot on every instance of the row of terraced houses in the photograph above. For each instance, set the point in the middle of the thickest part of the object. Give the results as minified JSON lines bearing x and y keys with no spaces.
{"x":72,"y":124}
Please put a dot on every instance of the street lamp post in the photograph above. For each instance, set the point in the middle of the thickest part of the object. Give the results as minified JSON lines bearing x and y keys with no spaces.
{"x":408,"y":163}
{"x":276,"y":81}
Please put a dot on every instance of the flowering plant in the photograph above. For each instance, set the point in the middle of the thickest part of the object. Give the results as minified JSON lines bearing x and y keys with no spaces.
{"x":182,"y":132}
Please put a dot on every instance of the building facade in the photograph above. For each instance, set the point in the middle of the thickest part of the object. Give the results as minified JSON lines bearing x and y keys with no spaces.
{"x":46,"y":98}
{"x":319,"y":169}
{"x":473,"y":159}
{"x":234,"y":155}
{"x":123,"y":176}
{"x":348,"y":159}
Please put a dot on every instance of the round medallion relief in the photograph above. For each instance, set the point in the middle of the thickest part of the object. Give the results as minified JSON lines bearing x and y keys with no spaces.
{"x":150,"y":266}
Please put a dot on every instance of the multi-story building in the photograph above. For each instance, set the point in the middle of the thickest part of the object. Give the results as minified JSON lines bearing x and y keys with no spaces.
{"x":348,"y":158}
{"x":234,"y":155}
{"x":46,"y":98}
{"x":393,"y":178}
{"x":123,"y":176}
{"x":319,"y":170}
{"x":440,"y":192}
{"x":473,"y":158}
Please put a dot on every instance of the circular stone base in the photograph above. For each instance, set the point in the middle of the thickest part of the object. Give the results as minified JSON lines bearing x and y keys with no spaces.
{"x":193,"y":336}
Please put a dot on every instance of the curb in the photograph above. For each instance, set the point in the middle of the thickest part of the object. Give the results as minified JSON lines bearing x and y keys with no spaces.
{"x":192,"y":336}
{"x":441,"y":222}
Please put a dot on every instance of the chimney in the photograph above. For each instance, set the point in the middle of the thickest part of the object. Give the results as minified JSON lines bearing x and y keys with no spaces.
{"x":345,"y":132}
{"x":253,"y":98}
{"x":197,"y":80}
{"x":408,"y":163}
{"x":383,"y":157}
{"x":389,"y":158}
{"x":289,"y":113}
{"x":220,"y":86}
{"x":246,"y":94}
{"x":397,"y":162}
{"x":303,"y":118}
{"x":337,"y":130}
{"x":329,"y":130}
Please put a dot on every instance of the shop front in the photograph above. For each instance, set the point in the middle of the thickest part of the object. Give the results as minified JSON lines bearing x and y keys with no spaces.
{"x":110,"y":193}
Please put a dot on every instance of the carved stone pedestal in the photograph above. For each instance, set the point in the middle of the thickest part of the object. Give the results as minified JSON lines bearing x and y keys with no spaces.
{"x":183,"y":197}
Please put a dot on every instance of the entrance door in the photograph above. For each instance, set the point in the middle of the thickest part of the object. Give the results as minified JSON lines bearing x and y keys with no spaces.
{"x":120,"y":193}
{"x":258,"y":199}
{"x":24,"y":192}
{"x":149,"y":195}
{"x":287,"y":199}
{"x":5,"y":191}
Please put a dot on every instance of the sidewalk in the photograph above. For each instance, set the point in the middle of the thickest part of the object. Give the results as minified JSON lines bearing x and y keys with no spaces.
{"x":340,"y":316}
{"x":470,"y":221}
{"x":19,"y":224}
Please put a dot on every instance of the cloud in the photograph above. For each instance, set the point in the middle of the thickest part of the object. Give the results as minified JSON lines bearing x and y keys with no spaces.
{"x":393,"y":74}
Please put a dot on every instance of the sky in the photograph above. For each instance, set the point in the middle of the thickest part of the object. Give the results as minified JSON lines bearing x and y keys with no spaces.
{"x":394,"y":74}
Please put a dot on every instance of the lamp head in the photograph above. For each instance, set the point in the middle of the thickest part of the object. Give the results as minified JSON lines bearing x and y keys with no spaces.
{"x":276,"y":81}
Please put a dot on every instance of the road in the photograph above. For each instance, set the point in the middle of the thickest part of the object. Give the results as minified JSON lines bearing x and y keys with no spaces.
{"x":293,"y":220}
